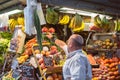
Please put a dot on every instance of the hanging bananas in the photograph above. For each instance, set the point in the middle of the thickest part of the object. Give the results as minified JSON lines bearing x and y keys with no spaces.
{"x":20,"y":21}
{"x":97,"y":21}
{"x":117,"y":25}
{"x":65,"y":20}
{"x":12,"y":24}
{"x":51,"y":16}
{"x":76,"y":23}
{"x":102,"y":23}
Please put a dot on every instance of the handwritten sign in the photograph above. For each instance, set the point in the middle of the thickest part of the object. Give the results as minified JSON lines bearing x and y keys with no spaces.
{"x":14,"y":64}
{"x":27,"y":71}
{"x":48,"y":61}
{"x":119,"y":68}
{"x":16,"y":74}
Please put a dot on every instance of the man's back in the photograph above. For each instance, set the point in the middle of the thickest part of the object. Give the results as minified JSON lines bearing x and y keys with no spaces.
{"x":77,"y":67}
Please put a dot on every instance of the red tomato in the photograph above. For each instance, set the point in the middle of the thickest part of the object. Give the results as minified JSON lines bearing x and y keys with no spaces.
{"x":51,"y":30}
{"x":44,"y":29}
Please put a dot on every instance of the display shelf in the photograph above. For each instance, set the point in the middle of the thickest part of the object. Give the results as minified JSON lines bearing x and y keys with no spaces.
{"x":101,"y":50}
{"x":54,"y":70}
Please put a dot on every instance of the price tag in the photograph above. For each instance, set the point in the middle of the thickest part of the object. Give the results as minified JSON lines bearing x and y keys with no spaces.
{"x":27,"y":71}
{"x":14,"y":64}
{"x":119,"y":68}
{"x":109,"y":55}
{"x":16,"y":74}
{"x":48,"y":61}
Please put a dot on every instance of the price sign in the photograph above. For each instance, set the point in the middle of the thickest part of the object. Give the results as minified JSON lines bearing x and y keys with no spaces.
{"x":48,"y":61}
{"x":27,"y":71}
{"x":119,"y":68}
{"x":14,"y":64}
{"x":16,"y":74}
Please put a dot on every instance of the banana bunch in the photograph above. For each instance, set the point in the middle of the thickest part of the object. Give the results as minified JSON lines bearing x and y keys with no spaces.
{"x":22,"y":59}
{"x":64,"y":20}
{"x":51,"y":16}
{"x":20,"y":21}
{"x":76,"y":23}
{"x":97,"y":21}
{"x":105,"y":24}
{"x":102,"y":23}
{"x":12,"y":24}
{"x":117,"y":25}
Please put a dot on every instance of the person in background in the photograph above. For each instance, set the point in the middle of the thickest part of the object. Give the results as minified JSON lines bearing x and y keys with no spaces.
{"x":77,"y":66}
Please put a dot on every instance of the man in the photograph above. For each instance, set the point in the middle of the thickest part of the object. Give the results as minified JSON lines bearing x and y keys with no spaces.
{"x":77,"y":66}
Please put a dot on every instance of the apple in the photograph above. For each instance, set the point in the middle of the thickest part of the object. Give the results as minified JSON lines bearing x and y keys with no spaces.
{"x":53,"y":48}
{"x":44,"y":29}
{"x":54,"y":51}
{"x":51,"y":30}
{"x":41,"y":61}
{"x":42,"y":66}
{"x":50,"y":78}
{"x":54,"y":75}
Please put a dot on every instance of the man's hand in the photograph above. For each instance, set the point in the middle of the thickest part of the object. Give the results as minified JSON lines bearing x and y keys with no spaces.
{"x":60,"y":43}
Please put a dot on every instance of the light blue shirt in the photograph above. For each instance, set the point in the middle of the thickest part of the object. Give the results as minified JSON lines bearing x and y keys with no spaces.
{"x":77,"y":67}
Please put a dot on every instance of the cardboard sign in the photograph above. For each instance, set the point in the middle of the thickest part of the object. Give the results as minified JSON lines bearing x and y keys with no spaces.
{"x":48,"y":61}
{"x":27,"y":71}
{"x":14,"y":64}
{"x":16,"y":74}
{"x":119,"y":68}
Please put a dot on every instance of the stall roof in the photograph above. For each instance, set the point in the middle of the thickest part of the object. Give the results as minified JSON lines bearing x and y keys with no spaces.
{"x":110,"y":7}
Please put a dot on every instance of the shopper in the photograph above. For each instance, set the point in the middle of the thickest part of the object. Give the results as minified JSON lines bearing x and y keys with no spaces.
{"x":77,"y":66}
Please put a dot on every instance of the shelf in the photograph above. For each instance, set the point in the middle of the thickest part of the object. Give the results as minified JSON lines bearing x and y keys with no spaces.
{"x":101,"y":50}
{"x":53,"y":70}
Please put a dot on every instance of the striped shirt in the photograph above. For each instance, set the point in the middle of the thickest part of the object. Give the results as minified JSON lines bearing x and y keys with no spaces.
{"x":77,"y":67}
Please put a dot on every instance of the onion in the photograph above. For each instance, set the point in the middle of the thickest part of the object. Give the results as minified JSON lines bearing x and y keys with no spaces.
{"x":45,"y":48}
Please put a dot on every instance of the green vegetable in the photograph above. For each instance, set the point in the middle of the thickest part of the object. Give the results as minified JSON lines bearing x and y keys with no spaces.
{"x":38,"y":29}
{"x":6,"y":35}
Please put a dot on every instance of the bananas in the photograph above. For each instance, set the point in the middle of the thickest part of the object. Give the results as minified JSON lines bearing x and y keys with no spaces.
{"x":13,"y":23}
{"x":20,"y":21}
{"x":102,"y":23}
{"x":64,"y":20}
{"x":117,"y":25}
{"x":76,"y":23}
{"x":78,"y":29}
{"x":51,"y":16}
{"x":97,"y":21}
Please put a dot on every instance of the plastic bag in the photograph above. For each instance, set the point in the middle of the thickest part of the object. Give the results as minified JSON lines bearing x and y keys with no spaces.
{"x":29,"y":18}
{"x":3,"y":22}
{"x":40,"y":14}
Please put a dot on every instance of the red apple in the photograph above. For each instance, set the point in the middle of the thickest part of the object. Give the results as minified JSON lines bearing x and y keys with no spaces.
{"x":51,"y":30}
{"x":42,"y":66}
{"x":44,"y":29}
{"x":41,"y":61}
{"x":54,"y":51}
{"x":53,"y":47}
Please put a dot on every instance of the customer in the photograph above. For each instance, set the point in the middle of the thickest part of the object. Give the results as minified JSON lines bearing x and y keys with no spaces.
{"x":77,"y":66}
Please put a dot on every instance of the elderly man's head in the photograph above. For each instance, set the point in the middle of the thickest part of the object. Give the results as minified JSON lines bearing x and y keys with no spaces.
{"x":75,"y":42}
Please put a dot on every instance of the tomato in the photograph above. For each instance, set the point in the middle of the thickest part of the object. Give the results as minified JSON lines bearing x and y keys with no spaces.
{"x":51,"y":30}
{"x":44,"y":29}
